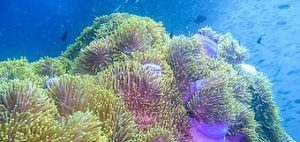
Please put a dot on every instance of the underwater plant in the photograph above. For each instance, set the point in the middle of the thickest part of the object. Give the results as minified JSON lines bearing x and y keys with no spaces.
{"x":125,"y":80}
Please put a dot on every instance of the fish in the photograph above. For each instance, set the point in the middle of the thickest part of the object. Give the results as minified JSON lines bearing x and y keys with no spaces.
{"x":289,"y":119}
{"x":200,"y":19}
{"x":171,"y":35}
{"x":283,"y":92}
{"x":281,"y":23}
{"x":284,"y":6}
{"x":259,"y":40}
{"x":277,"y":73}
{"x":292,"y":72}
{"x":287,"y":104}
{"x":64,"y":36}
{"x":297,"y":101}
{"x":290,"y":107}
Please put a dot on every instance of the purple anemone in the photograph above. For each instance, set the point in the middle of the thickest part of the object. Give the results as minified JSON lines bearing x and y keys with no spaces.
{"x":193,"y":89}
{"x":50,"y":82}
{"x":201,"y":131}
{"x":208,"y":32}
{"x":157,"y":69}
{"x":248,"y":69}
{"x":236,"y":138}
{"x":211,"y":47}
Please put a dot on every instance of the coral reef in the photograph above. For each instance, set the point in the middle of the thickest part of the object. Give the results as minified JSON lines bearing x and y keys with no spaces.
{"x":125,"y":80}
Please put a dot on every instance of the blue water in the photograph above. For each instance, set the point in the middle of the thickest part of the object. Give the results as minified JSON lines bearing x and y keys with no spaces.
{"x":33,"y":28}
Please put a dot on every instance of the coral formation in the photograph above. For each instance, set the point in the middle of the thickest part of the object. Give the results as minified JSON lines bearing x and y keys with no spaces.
{"x":125,"y":80}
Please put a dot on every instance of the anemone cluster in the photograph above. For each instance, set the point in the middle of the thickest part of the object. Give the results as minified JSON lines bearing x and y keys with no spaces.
{"x":125,"y":80}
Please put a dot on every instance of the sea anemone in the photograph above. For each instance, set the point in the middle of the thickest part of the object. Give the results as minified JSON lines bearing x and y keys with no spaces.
{"x":141,"y":90}
{"x":130,"y":82}
{"x":187,"y":61}
{"x":202,"y":132}
{"x":68,"y":94}
{"x":100,"y":28}
{"x":248,"y":69}
{"x":212,"y":103}
{"x":133,"y":36}
{"x":159,"y":134}
{"x":201,"y":84}
{"x":157,"y":64}
{"x":211,"y":48}
{"x":82,"y":127}
{"x":27,"y":114}
{"x":209,"y":33}
{"x":18,"y":69}
{"x":243,"y":125}
{"x":96,"y":57}
{"x":173,"y":117}
{"x":231,"y":50}
{"x":108,"y":25}
{"x":50,"y":67}
{"x":79,"y":93}
{"x":266,"y":112}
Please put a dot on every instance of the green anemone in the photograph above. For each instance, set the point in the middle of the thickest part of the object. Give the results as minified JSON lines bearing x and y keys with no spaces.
{"x":96,"y":57}
{"x":18,"y":69}
{"x":266,"y":111}
{"x":231,"y":50}
{"x":82,"y":127}
{"x":116,"y":25}
{"x":27,"y":114}
{"x":79,"y":93}
{"x":159,"y":134}
{"x":50,"y":67}
{"x":140,"y":89}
